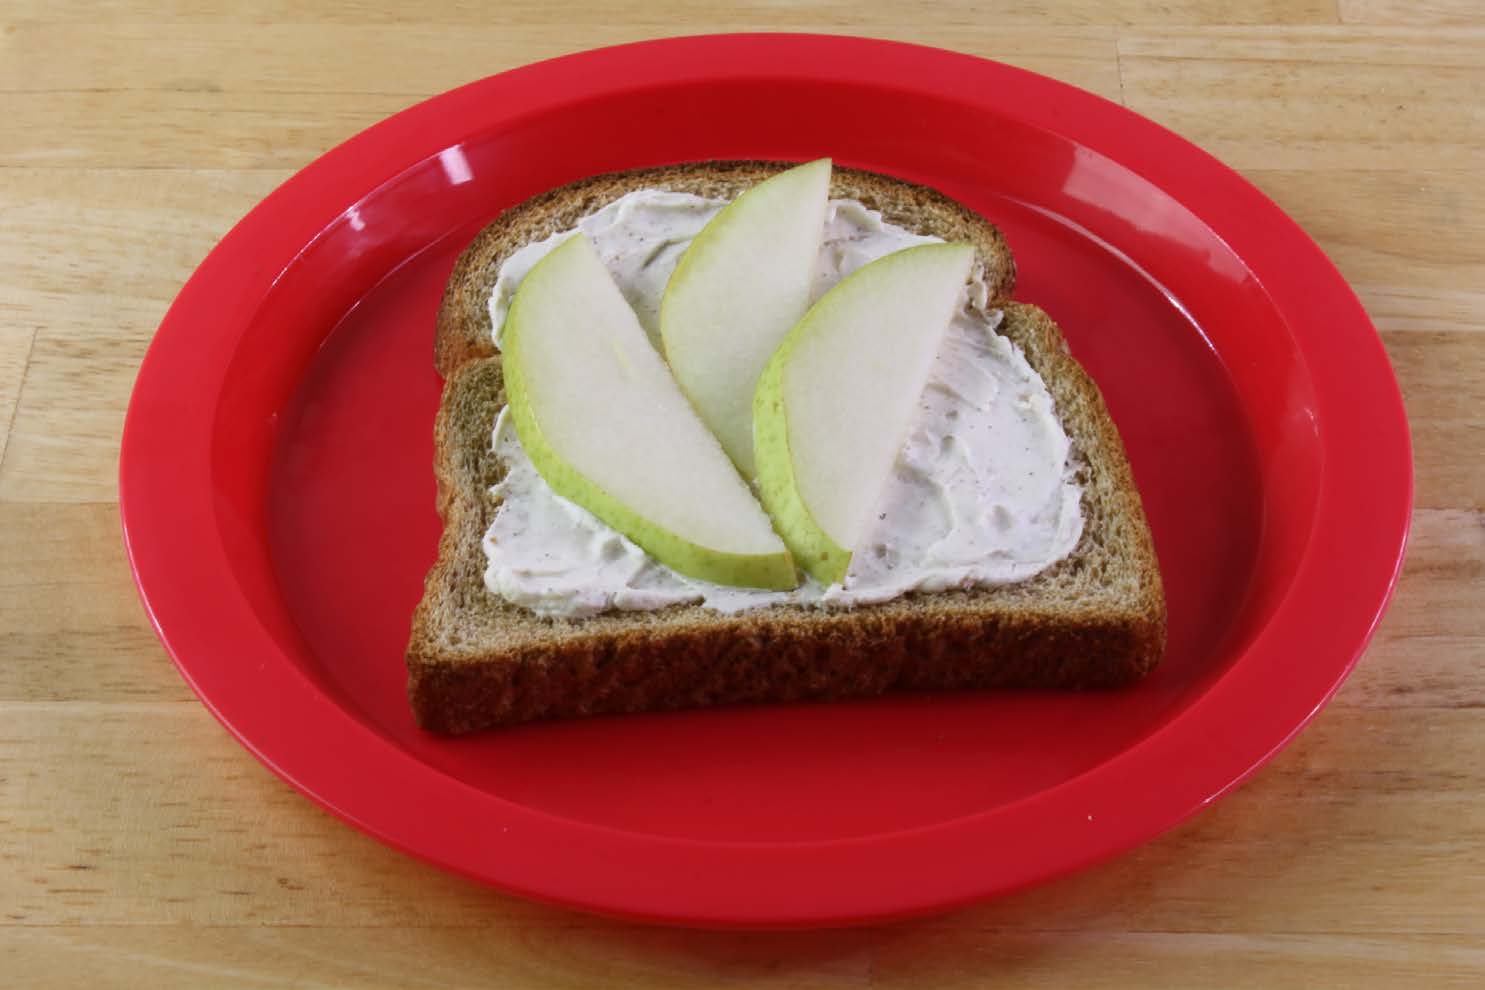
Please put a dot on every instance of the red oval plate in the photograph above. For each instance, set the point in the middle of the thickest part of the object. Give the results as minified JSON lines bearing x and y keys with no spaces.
{"x":278,"y":495}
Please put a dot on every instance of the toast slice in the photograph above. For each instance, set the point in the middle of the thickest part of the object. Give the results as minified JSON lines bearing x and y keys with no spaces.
{"x":464,"y":330}
{"x":1095,"y":619}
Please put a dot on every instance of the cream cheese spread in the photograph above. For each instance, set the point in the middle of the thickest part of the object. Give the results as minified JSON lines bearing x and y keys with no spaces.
{"x":982,"y":492}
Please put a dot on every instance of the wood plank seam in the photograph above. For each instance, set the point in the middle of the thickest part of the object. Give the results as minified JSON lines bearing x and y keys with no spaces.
{"x":15,"y":407}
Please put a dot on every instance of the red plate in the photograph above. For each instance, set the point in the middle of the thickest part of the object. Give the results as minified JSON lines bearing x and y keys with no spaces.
{"x":278,"y":496}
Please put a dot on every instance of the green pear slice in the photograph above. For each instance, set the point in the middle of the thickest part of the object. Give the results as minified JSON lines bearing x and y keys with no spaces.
{"x":606,"y":426}
{"x":835,"y":402}
{"x":739,"y":287}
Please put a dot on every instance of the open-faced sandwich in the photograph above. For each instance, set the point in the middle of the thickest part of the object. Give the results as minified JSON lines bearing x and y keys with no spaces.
{"x":736,"y":431}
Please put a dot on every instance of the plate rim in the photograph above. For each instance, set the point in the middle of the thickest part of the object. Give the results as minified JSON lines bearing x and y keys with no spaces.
{"x":875,"y":877}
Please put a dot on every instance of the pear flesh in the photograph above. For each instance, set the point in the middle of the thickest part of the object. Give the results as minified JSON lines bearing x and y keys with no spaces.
{"x":743,"y":282}
{"x":835,"y":402}
{"x":606,"y":426}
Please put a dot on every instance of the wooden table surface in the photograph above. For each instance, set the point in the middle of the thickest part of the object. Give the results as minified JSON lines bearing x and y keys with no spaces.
{"x":141,"y":846}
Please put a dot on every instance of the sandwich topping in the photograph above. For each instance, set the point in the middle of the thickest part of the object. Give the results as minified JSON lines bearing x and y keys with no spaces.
{"x":982,"y":492}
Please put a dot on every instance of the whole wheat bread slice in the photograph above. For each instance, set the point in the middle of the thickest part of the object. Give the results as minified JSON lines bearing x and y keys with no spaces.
{"x":464,"y":330}
{"x":1095,"y":619}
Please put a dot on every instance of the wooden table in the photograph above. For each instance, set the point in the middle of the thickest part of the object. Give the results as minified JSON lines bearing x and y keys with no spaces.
{"x":141,"y":846}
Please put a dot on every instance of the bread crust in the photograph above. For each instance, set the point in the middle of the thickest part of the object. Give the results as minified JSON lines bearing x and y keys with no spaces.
{"x":464,"y":332}
{"x":1096,"y":619}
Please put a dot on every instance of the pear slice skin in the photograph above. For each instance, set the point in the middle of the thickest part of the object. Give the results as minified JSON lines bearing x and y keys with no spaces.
{"x":569,"y":336}
{"x":825,"y":445}
{"x":740,"y":286}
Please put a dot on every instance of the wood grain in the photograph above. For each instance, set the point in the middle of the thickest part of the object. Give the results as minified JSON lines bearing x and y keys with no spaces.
{"x":550,"y":16}
{"x":1229,"y":962}
{"x":140,"y":845}
{"x":439,"y":957}
{"x":1378,"y":99}
{"x":421,"y":59}
{"x":1369,"y":222}
{"x":74,"y":629}
{"x":1369,"y":824}
{"x":15,"y":351}
{"x":1464,"y":13}
{"x":1435,"y":371}
{"x":111,"y":129}
{"x":91,"y":259}
{"x":325,"y":957}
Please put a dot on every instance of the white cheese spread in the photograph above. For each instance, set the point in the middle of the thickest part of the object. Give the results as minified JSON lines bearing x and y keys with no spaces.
{"x":982,"y":492}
